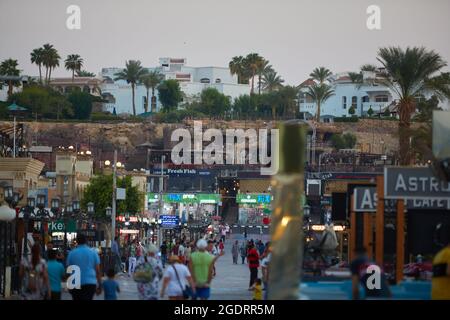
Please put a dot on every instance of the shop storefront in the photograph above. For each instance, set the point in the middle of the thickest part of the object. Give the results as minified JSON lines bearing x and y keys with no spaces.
{"x":254,"y":209}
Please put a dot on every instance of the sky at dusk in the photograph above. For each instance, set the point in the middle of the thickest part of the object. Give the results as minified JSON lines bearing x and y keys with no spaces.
{"x":294,"y":35}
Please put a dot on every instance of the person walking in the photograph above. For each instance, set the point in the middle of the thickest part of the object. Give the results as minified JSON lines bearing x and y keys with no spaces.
{"x":221,"y":246}
{"x":163,"y":251}
{"x":148,"y":275}
{"x":110,"y":286}
{"x":88,"y":261}
{"x":132,"y":258}
{"x":359,"y":268}
{"x":253,"y":263}
{"x":243,"y":251}
{"x":176,"y":279}
{"x":33,"y":272}
{"x":201,"y":267}
{"x":116,"y":254}
{"x":56,"y":274}
{"x":235,"y":251}
{"x":440,"y":282}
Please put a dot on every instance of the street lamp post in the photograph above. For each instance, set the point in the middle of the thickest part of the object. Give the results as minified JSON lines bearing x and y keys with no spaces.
{"x":43,"y":216}
{"x":161,"y":188}
{"x":68,"y":213}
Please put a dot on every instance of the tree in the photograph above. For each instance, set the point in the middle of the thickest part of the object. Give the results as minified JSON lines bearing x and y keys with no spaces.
{"x":370,"y":111}
{"x":409,"y":73}
{"x":356,"y":77}
{"x":351,"y":111}
{"x":288,"y":96}
{"x":251,"y":63}
{"x":84,"y":73}
{"x":262,"y":67}
{"x":81,"y":103}
{"x":272,"y":81}
{"x":425,"y":108}
{"x":170,"y":94}
{"x":212,"y":102}
{"x":9,"y":68}
{"x":151,"y":80}
{"x":320,"y":74}
{"x":43,"y":100}
{"x":37,"y":57}
{"x":50,"y":60}
{"x":131,"y":74}
{"x":74,"y":63}
{"x":343,"y":141}
{"x":99,"y":191}
{"x":244,"y":106}
{"x":237,"y":67}
{"x":319,"y":93}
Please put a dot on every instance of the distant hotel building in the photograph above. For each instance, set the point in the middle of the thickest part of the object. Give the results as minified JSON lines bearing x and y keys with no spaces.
{"x":193,"y":80}
{"x":348,"y":94}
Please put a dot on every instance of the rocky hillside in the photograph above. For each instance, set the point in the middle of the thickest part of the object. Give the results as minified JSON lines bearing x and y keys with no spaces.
{"x":126,"y":136}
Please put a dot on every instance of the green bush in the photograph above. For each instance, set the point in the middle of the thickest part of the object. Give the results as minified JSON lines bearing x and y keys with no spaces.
{"x":100,"y":116}
{"x":346,"y":119}
{"x":343,"y":141}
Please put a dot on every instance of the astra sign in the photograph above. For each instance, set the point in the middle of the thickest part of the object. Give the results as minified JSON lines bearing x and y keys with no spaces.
{"x":414,"y":183}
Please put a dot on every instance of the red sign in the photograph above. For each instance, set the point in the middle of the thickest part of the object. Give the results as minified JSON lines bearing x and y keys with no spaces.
{"x":266,"y":220}
{"x":122,"y":219}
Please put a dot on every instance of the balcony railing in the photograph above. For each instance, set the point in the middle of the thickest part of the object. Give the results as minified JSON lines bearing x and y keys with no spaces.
{"x":376,"y":106}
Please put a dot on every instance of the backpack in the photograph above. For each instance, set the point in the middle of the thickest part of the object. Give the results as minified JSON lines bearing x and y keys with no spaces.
{"x":33,"y":278}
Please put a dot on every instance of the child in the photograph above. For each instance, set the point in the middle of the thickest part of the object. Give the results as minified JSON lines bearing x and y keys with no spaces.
{"x":111,"y":286}
{"x":257,"y":289}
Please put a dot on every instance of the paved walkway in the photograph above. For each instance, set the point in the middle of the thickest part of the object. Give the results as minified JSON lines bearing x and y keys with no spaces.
{"x":230,"y":283}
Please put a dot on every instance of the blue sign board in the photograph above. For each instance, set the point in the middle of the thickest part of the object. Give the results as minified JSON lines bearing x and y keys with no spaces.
{"x":263,"y":198}
{"x":169,"y":221}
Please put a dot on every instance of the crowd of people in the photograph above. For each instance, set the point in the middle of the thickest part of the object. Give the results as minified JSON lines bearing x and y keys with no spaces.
{"x":178,"y":269}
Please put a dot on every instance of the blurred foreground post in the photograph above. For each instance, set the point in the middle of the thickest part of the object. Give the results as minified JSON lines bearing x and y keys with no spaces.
{"x":287,"y":214}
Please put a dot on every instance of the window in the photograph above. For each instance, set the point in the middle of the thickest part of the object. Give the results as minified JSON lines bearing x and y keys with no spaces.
{"x":344,"y":102}
{"x":365,"y":99}
{"x":205,"y":80}
{"x":381,"y":98}
{"x":218,"y":80}
{"x":354,"y":101}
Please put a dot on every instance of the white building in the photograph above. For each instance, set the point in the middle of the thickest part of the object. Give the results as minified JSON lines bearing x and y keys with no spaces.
{"x":347,"y":94}
{"x":192,"y":82}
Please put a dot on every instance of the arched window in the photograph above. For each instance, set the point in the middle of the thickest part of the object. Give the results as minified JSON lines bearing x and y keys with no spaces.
{"x":86,"y":89}
{"x":354,"y":101}
{"x":218,"y":80}
{"x":205,"y":80}
{"x":365,"y":99}
{"x":344,"y":102}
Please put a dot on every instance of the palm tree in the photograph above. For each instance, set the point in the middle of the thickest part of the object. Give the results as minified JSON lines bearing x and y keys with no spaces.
{"x":131,"y":74}
{"x":272,"y":81}
{"x":9,"y":68}
{"x":151,"y":80}
{"x":355,"y":77}
{"x":369,"y":67}
{"x":73,"y":62}
{"x":37,"y":57}
{"x":236,"y":66}
{"x":319,"y":92}
{"x":84,"y":73}
{"x":320,"y":74}
{"x":262,"y":66}
{"x":50,"y":60}
{"x":409,"y":73}
{"x":251,"y":62}
{"x":289,"y":95}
